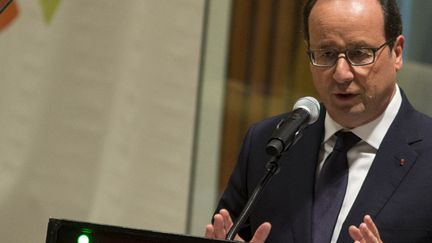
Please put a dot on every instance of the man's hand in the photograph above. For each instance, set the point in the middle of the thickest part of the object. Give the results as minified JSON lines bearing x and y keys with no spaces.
{"x":222,"y":224}
{"x":367,"y":232}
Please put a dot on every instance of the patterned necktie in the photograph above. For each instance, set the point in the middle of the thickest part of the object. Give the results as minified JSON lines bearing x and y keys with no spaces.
{"x":330,"y":188}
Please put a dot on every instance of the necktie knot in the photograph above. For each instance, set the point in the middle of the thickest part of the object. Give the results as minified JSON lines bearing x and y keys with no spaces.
{"x":345,"y":141}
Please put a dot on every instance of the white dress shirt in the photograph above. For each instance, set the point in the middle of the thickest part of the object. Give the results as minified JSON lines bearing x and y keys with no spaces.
{"x":361,"y":156}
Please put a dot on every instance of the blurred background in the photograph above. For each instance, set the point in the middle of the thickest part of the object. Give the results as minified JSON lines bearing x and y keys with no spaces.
{"x":131,"y":113}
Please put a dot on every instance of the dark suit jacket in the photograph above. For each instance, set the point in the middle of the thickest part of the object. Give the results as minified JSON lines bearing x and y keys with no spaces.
{"x":398,"y":197}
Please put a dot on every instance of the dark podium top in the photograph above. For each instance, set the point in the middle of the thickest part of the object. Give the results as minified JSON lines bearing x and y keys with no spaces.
{"x":67,"y":231}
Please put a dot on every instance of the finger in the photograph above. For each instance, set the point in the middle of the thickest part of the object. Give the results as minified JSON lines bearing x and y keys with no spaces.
{"x":227,"y":219}
{"x":355,"y":233}
{"x":209,"y":231}
{"x":238,"y":238}
{"x":261,"y":233}
{"x":371,"y":226}
{"x":219,"y":228}
{"x":368,"y":235}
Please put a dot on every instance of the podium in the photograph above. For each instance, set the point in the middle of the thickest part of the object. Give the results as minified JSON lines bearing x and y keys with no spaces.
{"x":68,"y":231}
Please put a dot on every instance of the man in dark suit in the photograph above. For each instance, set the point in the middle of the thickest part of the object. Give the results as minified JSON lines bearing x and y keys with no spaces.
{"x":355,"y":48}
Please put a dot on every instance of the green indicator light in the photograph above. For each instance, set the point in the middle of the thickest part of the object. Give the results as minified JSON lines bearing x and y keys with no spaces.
{"x":83,"y":239}
{"x":86,"y":230}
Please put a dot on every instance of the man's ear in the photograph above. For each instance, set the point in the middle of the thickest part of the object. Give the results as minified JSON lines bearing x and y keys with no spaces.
{"x":398,"y":51}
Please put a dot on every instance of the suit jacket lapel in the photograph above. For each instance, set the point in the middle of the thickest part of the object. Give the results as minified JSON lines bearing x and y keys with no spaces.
{"x":393,"y":160}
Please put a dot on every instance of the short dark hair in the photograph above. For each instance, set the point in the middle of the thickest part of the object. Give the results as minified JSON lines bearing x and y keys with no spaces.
{"x":390,"y":9}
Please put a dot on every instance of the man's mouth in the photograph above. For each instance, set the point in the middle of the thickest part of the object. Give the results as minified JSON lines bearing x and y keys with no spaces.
{"x":345,"y":96}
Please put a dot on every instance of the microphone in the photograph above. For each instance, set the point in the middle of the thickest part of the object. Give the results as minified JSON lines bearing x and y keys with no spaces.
{"x":305,"y":112}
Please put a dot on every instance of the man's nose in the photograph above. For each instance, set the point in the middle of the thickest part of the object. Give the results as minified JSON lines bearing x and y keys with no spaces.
{"x":343,"y":72}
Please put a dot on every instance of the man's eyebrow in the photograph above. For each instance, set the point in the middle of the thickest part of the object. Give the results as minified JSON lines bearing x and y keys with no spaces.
{"x":358,"y":44}
{"x":333,"y":46}
{"x":325,"y":46}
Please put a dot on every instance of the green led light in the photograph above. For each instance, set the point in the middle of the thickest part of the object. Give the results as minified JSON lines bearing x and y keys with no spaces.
{"x":86,"y":230}
{"x":83,"y":239}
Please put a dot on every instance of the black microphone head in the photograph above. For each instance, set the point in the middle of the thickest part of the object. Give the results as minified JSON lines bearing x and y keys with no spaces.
{"x":311,"y":105}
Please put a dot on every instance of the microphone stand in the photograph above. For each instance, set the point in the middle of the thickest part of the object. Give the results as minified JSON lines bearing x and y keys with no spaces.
{"x":272,"y":167}
{"x":275,"y":148}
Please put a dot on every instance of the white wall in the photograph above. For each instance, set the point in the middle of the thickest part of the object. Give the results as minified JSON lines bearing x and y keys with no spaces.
{"x":97,"y":114}
{"x":415,"y":80}
{"x":204,"y":189}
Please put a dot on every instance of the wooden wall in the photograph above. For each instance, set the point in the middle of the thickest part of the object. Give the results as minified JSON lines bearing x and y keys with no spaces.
{"x":268,"y":69}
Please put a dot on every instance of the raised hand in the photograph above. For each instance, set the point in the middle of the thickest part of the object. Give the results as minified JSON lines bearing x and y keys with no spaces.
{"x":222,"y":223}
{"x":367,"y":232}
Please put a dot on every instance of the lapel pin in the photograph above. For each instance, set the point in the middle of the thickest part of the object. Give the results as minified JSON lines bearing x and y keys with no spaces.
{"x":402,"y":162}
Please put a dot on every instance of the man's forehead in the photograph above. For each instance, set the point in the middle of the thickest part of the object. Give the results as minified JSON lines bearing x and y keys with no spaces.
{"x":361,"y":13}
{"x":354,"y":5}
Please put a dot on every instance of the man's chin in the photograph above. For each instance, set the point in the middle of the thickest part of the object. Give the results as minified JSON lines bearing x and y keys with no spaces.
{"x":348,"y":116}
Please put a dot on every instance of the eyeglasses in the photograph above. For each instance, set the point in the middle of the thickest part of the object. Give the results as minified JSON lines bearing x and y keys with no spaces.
{"x":356,"y":57}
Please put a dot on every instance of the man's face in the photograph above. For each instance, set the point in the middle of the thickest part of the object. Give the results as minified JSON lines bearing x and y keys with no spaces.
{"x":353,"y":95}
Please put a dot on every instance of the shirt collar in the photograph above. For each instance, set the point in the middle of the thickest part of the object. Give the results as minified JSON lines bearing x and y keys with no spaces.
{"x":372,"y":132}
